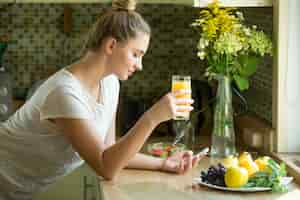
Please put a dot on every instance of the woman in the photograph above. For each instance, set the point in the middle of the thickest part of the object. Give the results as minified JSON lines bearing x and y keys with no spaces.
{"x":71,"y":117}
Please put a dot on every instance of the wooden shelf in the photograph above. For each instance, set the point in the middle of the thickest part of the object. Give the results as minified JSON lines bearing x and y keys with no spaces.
{"x":195,"y":3}
{"x":7,"y":1}
{"x":236,"y":3}
{"x":184,"y":2}
{"x":61,"y":1}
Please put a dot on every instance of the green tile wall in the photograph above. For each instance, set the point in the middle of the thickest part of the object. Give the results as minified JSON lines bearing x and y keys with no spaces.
{"x":38,"y":45}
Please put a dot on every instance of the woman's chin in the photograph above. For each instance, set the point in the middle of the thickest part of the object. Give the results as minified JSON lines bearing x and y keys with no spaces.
{"x":123,"y":77}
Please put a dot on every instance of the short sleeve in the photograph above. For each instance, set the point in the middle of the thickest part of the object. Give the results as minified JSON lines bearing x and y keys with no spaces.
{"x":65,"y":102}
{"x":114,"y":91}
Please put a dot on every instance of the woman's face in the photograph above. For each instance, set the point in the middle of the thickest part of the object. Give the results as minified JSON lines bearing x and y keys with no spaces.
{"x":127,"y":57}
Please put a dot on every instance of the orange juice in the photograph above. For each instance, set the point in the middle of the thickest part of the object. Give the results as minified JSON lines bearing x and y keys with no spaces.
{"x":182,"y":83}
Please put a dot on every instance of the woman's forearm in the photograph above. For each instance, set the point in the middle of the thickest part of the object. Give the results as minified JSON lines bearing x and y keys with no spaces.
{"x":118,"y":155}
{"x":142,"y":161}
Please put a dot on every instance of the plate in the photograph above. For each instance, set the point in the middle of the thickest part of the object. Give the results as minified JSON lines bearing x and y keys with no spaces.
{"x":284,"y":181}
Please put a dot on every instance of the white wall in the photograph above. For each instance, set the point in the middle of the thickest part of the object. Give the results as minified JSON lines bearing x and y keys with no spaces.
{"x":293,"y":77}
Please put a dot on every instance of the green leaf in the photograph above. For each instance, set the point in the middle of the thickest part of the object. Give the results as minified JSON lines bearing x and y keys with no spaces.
{"x":260,"y":174}
{"x":274,"y":166}
{"x":279,"y":188}
{"x":249,"y":185}
{"x":220,"y":68}
{"x":282,"y":170}
{"x":248,"y":64}
{"x":242,"y":82}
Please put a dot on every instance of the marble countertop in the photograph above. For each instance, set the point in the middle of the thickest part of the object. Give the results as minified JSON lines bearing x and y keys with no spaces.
{"x":149,"y":185}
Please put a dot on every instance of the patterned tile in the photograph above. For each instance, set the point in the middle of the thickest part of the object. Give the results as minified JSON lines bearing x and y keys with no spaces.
{"x":39,"y":46}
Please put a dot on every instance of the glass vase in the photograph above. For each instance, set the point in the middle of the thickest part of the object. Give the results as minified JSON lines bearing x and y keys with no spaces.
{"x":223,"y":135}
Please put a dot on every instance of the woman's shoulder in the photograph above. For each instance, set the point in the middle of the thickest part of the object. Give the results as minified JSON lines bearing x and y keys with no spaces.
{"x":62,"y":79}
{"x":60,"y":82}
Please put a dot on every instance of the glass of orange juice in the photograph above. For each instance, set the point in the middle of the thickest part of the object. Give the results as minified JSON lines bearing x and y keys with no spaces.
{"x":180,"y":82}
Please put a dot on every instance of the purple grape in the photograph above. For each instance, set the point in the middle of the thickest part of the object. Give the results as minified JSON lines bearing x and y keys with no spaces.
{"x":214,"y":175}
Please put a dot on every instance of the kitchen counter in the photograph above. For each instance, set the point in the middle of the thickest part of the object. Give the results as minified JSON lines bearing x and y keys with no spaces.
{"x":149,"y":185}
{"x":292,"y":161}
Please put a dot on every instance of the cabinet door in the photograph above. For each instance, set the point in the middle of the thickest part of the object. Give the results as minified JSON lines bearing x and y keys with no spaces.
{"x":7,"y":1}
{"x":82,"y":184}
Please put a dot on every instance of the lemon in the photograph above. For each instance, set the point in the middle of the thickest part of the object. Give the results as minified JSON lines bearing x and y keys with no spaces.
{"x":245,"y":157}
{"x":266,"y":158}
{"x":236,"y":177}
{"x":230,"y":161}
{"x":262,"y":163}
{"x":251,"y":167}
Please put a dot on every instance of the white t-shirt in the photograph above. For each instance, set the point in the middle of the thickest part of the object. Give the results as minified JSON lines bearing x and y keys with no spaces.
{"x":33,"y":151}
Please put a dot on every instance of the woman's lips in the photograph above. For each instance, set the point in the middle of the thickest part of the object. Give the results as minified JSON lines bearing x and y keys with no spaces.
{"x":131,"y":72}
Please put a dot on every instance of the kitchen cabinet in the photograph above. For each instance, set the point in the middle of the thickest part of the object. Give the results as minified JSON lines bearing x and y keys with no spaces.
{"x":184,"y":2}
{"x":81,"y":184}
{"x":7,"y":1}
{"x":62,"y":1}
{"x":196,"y":3}
{"x":236,"y":3}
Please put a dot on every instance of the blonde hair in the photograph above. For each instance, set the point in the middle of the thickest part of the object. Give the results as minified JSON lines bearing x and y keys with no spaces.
{"x":120,"y":22}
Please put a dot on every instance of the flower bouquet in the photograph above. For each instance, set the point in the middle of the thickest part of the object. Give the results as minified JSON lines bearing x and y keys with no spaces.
{"x":230,"y":47}
{"x":232,"y":51}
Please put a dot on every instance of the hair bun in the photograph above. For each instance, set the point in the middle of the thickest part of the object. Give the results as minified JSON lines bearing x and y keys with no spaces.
{"x":123,"y":4}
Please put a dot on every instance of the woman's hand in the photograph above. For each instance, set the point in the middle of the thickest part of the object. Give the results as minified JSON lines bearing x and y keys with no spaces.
{"x":168,"y":106}
{"x":181,"y":162}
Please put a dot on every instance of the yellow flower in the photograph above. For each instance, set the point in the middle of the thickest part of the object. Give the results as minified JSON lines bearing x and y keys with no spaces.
{"x":211,"y":29}
{"x":214,"y":6}
{"x":224,"y":39}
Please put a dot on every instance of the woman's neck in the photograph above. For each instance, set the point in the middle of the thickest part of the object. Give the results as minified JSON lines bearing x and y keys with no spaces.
{"x":90,"y":69}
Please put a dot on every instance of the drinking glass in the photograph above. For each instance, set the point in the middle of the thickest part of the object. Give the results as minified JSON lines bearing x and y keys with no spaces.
{"x":182,"y":83}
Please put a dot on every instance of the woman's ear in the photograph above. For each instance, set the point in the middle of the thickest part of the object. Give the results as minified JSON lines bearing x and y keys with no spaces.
{"x":110,"y":45}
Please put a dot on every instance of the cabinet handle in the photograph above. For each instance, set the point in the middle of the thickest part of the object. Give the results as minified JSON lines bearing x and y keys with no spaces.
{"x":3,"y":109}
{"x":3,"y":91}
{"x":90,"y":188}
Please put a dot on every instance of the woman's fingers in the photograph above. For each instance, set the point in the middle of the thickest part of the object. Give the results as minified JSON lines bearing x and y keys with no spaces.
{"x":181,"y":93}
{"x":181,"y":167}
{"x":184,"y":108}
{"x":179,"y":102}
{"x":188,"y":157}
{"x":184,"y":101}
{"x":185,"y":158}
{"x":182,"y":104}
{"x":181,"y":162}
{"x":196,"y":159}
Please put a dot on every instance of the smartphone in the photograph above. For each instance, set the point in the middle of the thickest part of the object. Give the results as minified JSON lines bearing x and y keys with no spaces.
{"x":202,"y":152}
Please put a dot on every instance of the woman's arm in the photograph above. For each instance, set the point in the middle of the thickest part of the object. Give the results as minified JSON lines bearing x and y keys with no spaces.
{"x":107,"y":162}
{"x":178,"y":163}
{"x":111,"y":134}
{"x":139,"y":161}
{"x":142,"y":161}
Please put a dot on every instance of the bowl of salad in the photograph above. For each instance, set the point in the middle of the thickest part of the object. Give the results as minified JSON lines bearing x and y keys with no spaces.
{"x":164,"y":149}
